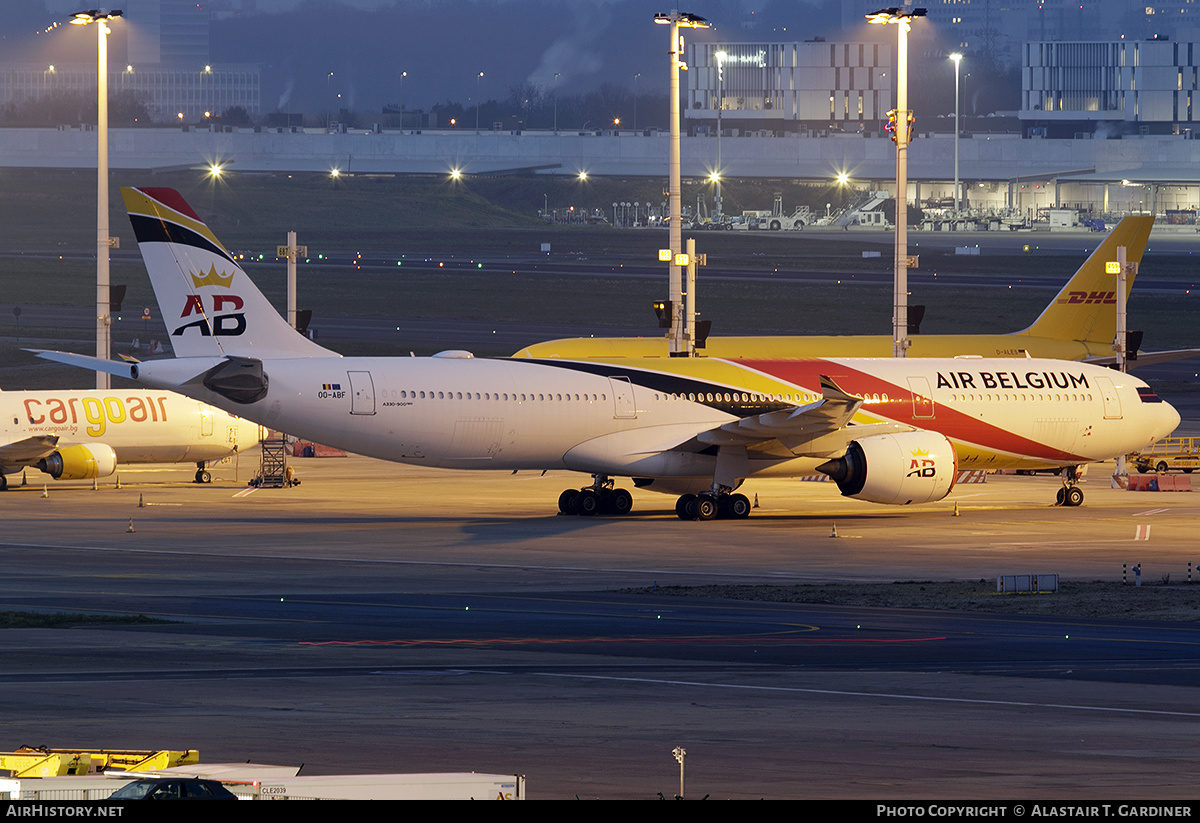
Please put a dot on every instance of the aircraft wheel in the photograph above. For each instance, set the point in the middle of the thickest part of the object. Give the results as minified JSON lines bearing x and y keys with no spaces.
{"x":1074,"y":496}
{"x":737,"y":507}
{"x":203,"y":476}
{"x":566,"y":501}
{"x":705,"y":507}
{"x":620,"y":501}
{"x":3,"y":483}
{"x":587,"y":503}
{"x":1061,"y":497}
{"x":1162,"y":467}
{"x":685,"y":507}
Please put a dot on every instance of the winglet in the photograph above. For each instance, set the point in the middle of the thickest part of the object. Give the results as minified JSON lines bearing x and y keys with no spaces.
{"x":832,"y":391}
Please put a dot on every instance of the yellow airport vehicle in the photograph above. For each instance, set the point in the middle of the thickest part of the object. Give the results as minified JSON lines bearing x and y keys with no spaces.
{"x":28,"y":761}
{"x":1169,"y":454}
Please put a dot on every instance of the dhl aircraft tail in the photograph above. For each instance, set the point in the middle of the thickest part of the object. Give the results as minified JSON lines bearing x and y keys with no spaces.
{"x":1085,"y":309}
{"x":211,"y":307}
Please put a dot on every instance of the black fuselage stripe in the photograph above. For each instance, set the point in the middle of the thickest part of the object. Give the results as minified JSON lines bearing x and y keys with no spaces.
{"x":672,"y":384}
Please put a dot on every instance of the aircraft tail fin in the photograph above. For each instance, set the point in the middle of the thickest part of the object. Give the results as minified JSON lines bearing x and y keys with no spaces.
{"x":1085,"y":309}
{"x":211,"y":307}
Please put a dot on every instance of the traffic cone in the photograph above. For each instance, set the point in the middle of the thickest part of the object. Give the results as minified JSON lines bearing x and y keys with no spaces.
{"x":130,"y":529}
{"x":756,"y":500}
{"x":834,"y":532}
{"x":956,"y":514}
{"x":118,"y":481}
{"x":45,"y":491}
{"x":95,"y":485}
{"x":141,"y":502}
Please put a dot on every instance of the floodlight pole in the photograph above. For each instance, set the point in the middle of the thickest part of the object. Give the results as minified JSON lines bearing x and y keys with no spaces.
{"x":903,"y":125}
{"x":1121,"y":341}
{"x":957,"y":58}
{"x":103,"y":242}
{"x":676,"y":336}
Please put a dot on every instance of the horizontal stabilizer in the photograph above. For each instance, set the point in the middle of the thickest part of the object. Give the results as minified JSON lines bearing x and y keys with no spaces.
{"x":1148,"y":358}
{"x":83,"y":361}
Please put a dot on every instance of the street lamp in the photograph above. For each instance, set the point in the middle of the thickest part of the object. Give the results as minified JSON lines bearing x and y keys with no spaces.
{"x":556,"y":76}
{"x":676,"y":343}
{"x":403,"y":74}
{"x":103,"y":242}
{"x":957,"y":58}
{"x":478,"y":77}
{"x":328,"y":102}
{"x":721,"y":57}
{"x":902,"y":20}
{"x":636,"y":77}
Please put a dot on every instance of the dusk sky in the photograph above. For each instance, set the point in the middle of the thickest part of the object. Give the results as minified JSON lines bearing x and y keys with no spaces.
{"x":444,"y":44}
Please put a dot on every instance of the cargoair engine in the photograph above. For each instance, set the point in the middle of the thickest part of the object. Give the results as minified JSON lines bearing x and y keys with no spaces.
{"x":80,"y":462}
{"x":898,"y":469}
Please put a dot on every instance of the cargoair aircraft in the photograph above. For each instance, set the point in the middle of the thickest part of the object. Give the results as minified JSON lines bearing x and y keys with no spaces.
{"x":1080,"y":323}
{"x":81,"y":435}
{"x":886,"y":430}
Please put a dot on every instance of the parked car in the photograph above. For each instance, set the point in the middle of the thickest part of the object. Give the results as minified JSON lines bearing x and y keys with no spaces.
{"x":173,"y":788}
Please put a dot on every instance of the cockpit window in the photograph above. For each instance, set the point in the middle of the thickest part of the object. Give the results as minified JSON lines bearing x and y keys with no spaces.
{"x":1147,"y":394}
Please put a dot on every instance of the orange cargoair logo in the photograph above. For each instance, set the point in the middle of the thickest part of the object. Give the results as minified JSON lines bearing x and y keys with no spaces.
{"x":230,"y":324}
{"x":921,"y":465}
{"x":97,"y":412}
{"x":1089,"y":297}
{"x":213,"y":278}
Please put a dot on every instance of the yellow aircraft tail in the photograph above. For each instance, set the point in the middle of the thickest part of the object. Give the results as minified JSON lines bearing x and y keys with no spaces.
{"x":1085,"y":308}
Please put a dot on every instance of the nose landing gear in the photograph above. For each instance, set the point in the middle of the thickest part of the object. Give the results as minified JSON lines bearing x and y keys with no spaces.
{"x":1070,"y":494}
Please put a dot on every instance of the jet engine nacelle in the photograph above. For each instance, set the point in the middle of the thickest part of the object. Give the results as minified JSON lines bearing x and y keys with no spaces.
{"x":898,"y":469}
{"x":80,"y":462}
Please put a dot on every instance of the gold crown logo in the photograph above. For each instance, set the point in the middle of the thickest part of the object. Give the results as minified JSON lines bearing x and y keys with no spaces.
{"x":920,"y":453}
{"x":213,"y":278}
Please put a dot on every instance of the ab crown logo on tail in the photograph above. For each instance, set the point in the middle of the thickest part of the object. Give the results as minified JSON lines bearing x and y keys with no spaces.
{"x":230,"y":324}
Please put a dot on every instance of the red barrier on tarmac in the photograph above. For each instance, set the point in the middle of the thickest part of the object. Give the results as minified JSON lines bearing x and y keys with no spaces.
{"x":1159,"y":483}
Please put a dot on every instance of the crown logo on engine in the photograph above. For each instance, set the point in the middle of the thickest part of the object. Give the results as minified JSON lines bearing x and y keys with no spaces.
{"x":920,"y":453}
{"x":212,"y":278}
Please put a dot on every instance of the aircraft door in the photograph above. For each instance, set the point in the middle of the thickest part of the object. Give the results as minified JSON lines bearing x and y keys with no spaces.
{"x":623,"y":405}
{"x":922,"y":404}
{"x":206,"y":422}
{"x":1112,"y":400}
{"x":362,"y":392}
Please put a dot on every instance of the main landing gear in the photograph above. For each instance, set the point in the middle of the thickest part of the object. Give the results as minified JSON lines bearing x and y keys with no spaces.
{"x":599,"y":498}
{"x":1070,"y":494}
{"x":202,"y":474}
{"x":713,"y":506}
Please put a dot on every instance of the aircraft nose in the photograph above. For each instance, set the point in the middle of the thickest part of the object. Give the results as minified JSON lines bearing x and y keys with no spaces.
{"x":1170,"y":420}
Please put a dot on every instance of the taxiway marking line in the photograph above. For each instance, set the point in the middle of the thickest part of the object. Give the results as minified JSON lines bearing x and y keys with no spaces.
{"x":877,"y":695}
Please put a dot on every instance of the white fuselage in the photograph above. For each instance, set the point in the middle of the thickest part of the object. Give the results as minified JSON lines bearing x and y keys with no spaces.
{"x":521,"y":414}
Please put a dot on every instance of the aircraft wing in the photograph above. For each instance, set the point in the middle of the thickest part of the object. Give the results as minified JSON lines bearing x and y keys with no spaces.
{"x":819,"y":429}
{"x":28,"y":451}
{"x":1148,"y":358}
